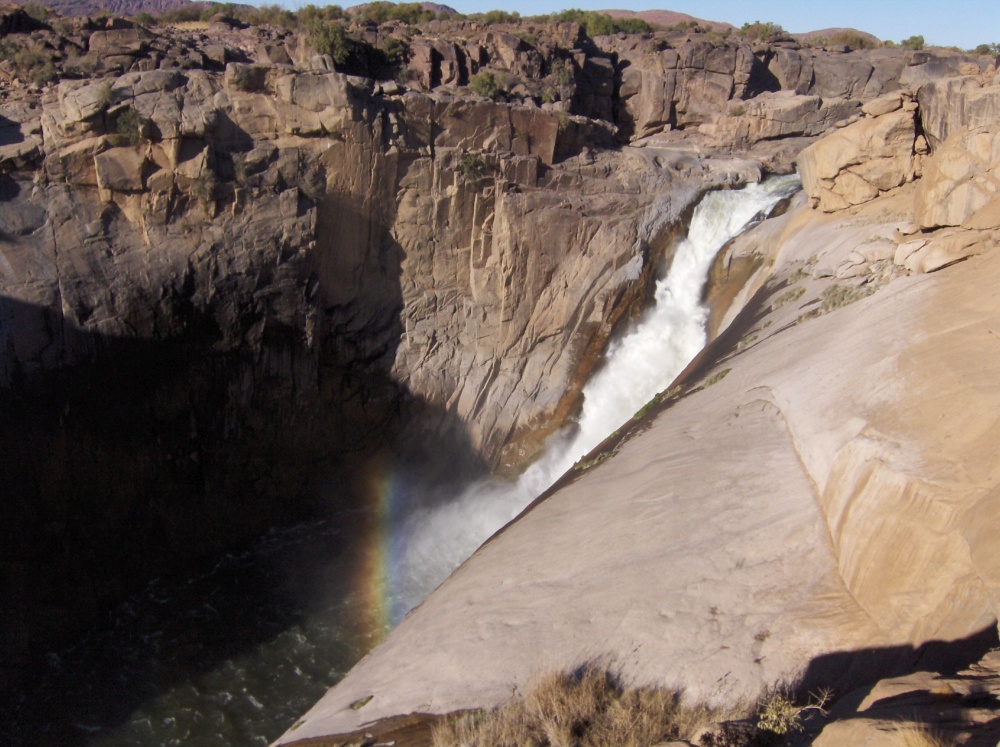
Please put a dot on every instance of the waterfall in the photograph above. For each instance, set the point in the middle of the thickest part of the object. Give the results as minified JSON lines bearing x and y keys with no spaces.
{"x":431,"y":542}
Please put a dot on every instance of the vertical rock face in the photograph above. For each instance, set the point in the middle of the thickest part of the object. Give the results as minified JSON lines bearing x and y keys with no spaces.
{"x":219,"y":291}
{"x":848,"y":533}
{"x":227,"y":273}
{"x":856,"y":163}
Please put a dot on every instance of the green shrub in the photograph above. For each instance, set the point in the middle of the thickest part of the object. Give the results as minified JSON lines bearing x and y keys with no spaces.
{"x":272,"y":15}
{"x":913,"y":42}
{"x":31,"y":64}
{"x":187,"y":14}
{"x":485,"y":83}
{"x":330,"y":37}
{"x":562,"y":71}
{"x":493,"y":17}
{"x":852,"y":39}
{"x":601,"y":24}
{"x":38,"y":12}
{"x":397,"y":51}
{"x":473,"y":167}
{"x":380,"y":12}
{"x":778,"y":714}
{"x":763,"y":31}
{"x":990,"y":49}
{"x":127,"y":127}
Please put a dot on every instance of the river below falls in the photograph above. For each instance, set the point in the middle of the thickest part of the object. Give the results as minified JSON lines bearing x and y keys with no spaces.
{"x":234,"y":654}
{"x":230,"y":655}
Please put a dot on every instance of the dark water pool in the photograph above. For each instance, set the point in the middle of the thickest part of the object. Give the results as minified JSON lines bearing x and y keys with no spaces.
{"x":231,"y":655}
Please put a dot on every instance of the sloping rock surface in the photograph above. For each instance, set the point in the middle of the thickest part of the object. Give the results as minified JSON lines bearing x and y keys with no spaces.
{"x":849,"y":525}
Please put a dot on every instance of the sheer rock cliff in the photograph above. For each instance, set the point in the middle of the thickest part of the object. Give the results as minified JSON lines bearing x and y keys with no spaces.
{"x":813,"y":501}
{"x":233,"y":272}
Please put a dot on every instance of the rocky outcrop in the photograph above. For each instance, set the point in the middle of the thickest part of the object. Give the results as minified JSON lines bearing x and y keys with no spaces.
{"x":860,"y":161}
{"x":961,"y":181}
{"x":772,"y":116}
{"x":951,"y":104}
{"x":657,"y":567}
{"x":221,"y":289}
{"x":233,"y":274}
{"x":957,"y":708}
{"x":849,"y":391}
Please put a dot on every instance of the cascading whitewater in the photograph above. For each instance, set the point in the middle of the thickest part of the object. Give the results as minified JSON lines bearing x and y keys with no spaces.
{"x":428,"y":544}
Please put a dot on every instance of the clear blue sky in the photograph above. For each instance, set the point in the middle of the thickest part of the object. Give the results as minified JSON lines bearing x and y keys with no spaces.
{"x":961,"y":23}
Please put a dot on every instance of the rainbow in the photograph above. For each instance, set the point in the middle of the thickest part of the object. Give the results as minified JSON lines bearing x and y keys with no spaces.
{"x":384,"y":489}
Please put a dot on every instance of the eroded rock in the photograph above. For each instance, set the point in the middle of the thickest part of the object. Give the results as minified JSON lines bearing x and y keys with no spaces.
{"x":856,"y":163}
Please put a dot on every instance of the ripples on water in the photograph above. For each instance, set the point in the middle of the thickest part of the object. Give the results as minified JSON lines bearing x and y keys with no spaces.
{"x":230,"y":656}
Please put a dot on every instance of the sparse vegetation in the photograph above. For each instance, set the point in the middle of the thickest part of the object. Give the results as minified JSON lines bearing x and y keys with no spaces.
{"x":839,"y":295}
{"x":485,"y":83}
{"x":763,"y":31}
{"x":588,"y":707}
{"x":203,"y":188}
{"x":789,"y":296}
{"x":913,"y":42}
{"x":601,"y":24}
{"x":716,"y":378}
{"x":473,"y":167}
{"x":127,"y":127}
{"x":990,"y":49}
{"x":360,"y":703}
{"x":330,"y":37}
{"x":31,"y":64}
{"x":564,"y":122}
{"x":778,"y":713}
{"x":585,"y":464}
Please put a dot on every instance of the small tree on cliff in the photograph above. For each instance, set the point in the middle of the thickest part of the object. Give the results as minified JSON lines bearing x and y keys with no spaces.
{"x":485,"y":83}
{"x":330,"y":37}
{"x":762,"y":31}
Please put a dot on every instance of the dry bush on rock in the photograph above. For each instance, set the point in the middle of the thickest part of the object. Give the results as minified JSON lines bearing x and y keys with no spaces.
{"x":585,"y":708}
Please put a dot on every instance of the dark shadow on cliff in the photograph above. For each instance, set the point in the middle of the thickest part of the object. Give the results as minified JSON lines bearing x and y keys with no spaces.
{"x":847,"y":671}
{"x":124,"y":460}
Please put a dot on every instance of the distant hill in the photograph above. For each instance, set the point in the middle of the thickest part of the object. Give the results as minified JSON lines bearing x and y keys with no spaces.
{"x":116,"y":7}
{"x":667,"y":18}
{"x":153,"y":7}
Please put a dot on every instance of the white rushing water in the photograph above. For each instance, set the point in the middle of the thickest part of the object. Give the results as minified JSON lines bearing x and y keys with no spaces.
{"x":433,"y":542}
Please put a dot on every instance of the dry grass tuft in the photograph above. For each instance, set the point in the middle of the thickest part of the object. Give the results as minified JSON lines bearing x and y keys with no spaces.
{"x":919,"y":736}
{"x":585,"y":708}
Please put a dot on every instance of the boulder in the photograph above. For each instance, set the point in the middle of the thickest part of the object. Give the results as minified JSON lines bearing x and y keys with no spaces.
{"x":886,"y":104}
{"x":961,"y":181}
{"x":120,"y":170}
{"x":127,"y":41}
{"x":776,"y":115}
{"x":79,"y":103}
{"x":953,"y":103}
{"x":855,"y":163}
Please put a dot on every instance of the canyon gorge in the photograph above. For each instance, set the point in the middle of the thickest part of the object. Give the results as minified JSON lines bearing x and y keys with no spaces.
{"x":241,"y":282}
